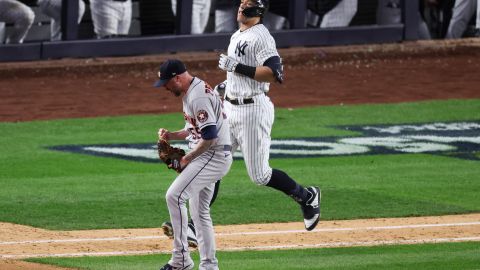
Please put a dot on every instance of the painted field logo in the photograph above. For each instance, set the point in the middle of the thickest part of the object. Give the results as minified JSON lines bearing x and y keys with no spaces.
{"x":459,"y":139}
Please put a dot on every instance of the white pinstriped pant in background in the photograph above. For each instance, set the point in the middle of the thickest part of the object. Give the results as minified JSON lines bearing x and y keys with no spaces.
{"x":462,"y":13}
{"x":53,"y":9}
{"x":22,"y":16}
{"x":341,"y":15}
{"x":110,"y":17}
{"x":200,"y":14}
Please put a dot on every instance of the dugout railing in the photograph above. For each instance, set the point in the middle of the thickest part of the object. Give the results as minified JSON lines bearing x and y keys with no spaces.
{"x":297,"y":35}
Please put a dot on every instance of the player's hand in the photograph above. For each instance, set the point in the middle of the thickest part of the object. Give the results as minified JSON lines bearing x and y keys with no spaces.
{"x":227,"y":63}
{"x":179,"y":165}
{"x":163,"y":134}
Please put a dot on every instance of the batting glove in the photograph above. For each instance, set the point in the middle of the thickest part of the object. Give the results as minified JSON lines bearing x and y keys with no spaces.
{"x":227,"y":63}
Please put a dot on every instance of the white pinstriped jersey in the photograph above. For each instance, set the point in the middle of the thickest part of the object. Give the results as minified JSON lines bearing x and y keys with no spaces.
{"x":251,"y":47}
{"x":201,"y":108}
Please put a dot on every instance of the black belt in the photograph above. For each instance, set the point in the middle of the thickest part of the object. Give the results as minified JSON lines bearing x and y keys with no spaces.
{"x":237,"y":102}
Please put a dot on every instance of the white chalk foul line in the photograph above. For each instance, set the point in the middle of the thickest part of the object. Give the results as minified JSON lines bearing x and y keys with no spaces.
{"x":334,"y":244}
{"x":75,"y":240}
{"x":397,"y":227}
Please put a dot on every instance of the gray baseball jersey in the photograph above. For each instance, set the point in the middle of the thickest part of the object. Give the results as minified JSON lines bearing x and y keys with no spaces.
{"x":251,"y":124}
{"x":196,"y":183}
{"x":202,"y":107}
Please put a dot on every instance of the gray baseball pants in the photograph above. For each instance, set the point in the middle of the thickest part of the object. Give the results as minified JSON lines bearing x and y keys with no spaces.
{"x":196,"y":184}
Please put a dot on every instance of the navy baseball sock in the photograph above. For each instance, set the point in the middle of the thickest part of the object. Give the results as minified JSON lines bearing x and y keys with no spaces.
{"x":281,"y":181}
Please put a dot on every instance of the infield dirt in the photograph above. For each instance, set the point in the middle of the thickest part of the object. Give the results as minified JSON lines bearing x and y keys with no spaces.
{"x":18,"y":241}
{"x":313,"y":76}
{"x":390,"y":73}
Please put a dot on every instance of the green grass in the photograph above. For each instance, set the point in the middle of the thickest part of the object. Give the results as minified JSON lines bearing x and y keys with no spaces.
{"x":65,"y":191}
{"x":426,"y":256}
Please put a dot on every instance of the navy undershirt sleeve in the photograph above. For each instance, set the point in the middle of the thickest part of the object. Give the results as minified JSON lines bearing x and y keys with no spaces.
{"x":209,"y":132}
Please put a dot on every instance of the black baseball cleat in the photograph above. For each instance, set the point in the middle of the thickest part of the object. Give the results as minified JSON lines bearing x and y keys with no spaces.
{"x":169,"y":267}
{"x":167,"y":229}
{"x":311,"y":208}
{"x":191,"y":235}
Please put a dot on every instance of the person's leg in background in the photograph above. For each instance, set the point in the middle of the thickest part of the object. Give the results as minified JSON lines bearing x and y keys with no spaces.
{"x":477,"y":24}
{"x":341,"y":15}
{"x":22,"y":18}
{"x":200,"y":15}
{"x":125,"y":18}
{"x":462,"y":13}
{"x":225,"y":17}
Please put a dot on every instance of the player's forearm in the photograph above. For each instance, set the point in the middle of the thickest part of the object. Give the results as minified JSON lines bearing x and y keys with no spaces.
{"x":264,"y":74}
{"x":202,"y":146}
{"x":178,"y":135}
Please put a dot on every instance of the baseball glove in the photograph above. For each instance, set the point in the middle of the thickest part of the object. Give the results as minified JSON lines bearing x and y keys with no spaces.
{"x":170,"y":155}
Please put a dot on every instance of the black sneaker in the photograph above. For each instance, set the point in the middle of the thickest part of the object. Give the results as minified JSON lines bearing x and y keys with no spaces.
{"x":191,"y":235}
{"x":167,"y":229}
{"x":169,"y":267}
{"x":311,"y":209}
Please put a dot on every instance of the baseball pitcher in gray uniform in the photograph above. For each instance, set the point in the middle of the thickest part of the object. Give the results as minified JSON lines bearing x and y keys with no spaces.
{"x":210,"y":159}
{"x":252,"y":64}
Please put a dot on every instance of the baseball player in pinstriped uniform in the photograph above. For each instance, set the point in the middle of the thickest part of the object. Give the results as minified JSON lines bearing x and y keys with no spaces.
{"x":252,"y":64}
{"x":210,"y":159}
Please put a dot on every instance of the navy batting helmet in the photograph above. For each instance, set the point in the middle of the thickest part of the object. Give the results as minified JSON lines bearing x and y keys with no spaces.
{"x":257,"y":10}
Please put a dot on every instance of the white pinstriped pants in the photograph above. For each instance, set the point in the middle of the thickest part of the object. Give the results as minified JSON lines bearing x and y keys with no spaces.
{"x":250,"y":129}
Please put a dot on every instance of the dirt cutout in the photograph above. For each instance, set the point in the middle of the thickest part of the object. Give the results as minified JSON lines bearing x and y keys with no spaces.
{"x":19,"y":242}
{"x":386,"y":73}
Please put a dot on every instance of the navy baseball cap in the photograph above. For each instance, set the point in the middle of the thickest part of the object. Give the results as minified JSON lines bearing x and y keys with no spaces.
{"x":168,"y":70}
